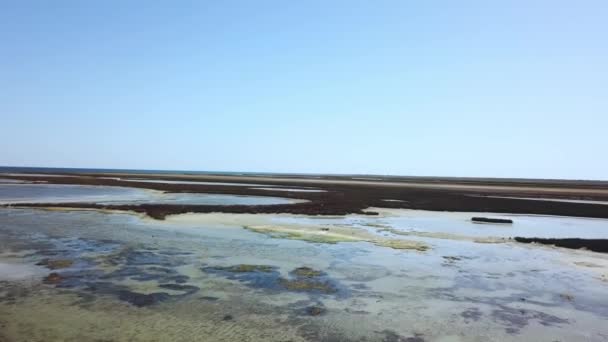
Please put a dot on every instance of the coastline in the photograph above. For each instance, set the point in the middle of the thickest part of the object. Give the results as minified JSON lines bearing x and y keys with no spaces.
{"x":344,"y":195}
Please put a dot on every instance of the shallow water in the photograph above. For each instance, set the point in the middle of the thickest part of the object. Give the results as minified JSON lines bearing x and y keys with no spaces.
{"x":459,"y":223}
{"x":65,"y":193}
{"x":134,"y":279}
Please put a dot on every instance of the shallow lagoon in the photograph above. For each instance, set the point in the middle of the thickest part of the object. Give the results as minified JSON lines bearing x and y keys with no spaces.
{"x":65,"y":193}
{"x":418,"y":222}
{"x":134,"y":278}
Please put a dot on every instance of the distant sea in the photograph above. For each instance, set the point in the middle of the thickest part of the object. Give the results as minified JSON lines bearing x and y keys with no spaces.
{"x":67,"y":170}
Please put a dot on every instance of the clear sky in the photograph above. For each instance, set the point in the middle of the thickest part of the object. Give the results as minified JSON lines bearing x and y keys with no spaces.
{"x":450,"y":88}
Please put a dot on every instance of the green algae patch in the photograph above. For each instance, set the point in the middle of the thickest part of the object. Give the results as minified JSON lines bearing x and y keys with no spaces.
{"x":315,"y":238}
{"x":308,"y":235}
{"x":402,"y":244}
{"x":335,"y":235}
{"x":306,"y":272}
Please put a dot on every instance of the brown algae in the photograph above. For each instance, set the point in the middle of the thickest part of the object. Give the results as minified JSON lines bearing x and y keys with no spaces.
{"x":56,"y":264}
{"x":243,"y":268}
{"x":307,"y":285}
{"x":306,"y":272}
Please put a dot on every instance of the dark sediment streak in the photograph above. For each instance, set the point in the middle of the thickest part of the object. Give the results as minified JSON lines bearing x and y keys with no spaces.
{"x":343,"y":197}
{"x":596,"y":245}
{"x":490,"y":220}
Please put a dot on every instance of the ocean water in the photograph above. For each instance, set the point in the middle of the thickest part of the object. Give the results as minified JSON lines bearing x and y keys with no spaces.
{"x":98,"y":276}
{"x":459,"y":224}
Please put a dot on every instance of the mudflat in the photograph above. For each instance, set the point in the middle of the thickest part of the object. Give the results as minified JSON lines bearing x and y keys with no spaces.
{"x":347,"y":194}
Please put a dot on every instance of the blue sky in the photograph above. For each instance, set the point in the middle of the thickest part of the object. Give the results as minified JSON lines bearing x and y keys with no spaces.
{"x":448,"y":88}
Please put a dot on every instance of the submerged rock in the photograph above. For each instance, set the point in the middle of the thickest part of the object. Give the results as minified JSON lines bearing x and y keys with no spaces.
{"x":307,"y":285}
{"x":392,"y":336}
{"x":140,"y":299}
{"x":258,"y":276}
{"x":315,"y":310}
{"x":566,"y":297}
{"x":53,"y":278}
{"x":302,"y":279}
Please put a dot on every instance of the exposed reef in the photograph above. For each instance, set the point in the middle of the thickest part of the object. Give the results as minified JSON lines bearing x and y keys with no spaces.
{"x":301,"y":279}
{"x":596,"y":245}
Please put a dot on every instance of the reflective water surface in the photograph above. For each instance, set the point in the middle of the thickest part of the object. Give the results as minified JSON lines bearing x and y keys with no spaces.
{"x":94,"y":276}
{"x":66,"y":193}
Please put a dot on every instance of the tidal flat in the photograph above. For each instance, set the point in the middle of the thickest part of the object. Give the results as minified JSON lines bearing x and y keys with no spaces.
{"x":398,"y":275}
{"x":206,"y":277}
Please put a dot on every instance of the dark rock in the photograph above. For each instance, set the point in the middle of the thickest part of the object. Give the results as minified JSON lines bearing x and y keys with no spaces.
{"x":596,"y":245}
{"x":53,"y":278}
{"x":315,"y":310}
{"x":140,"y":299}
{"x":490,"y":220}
